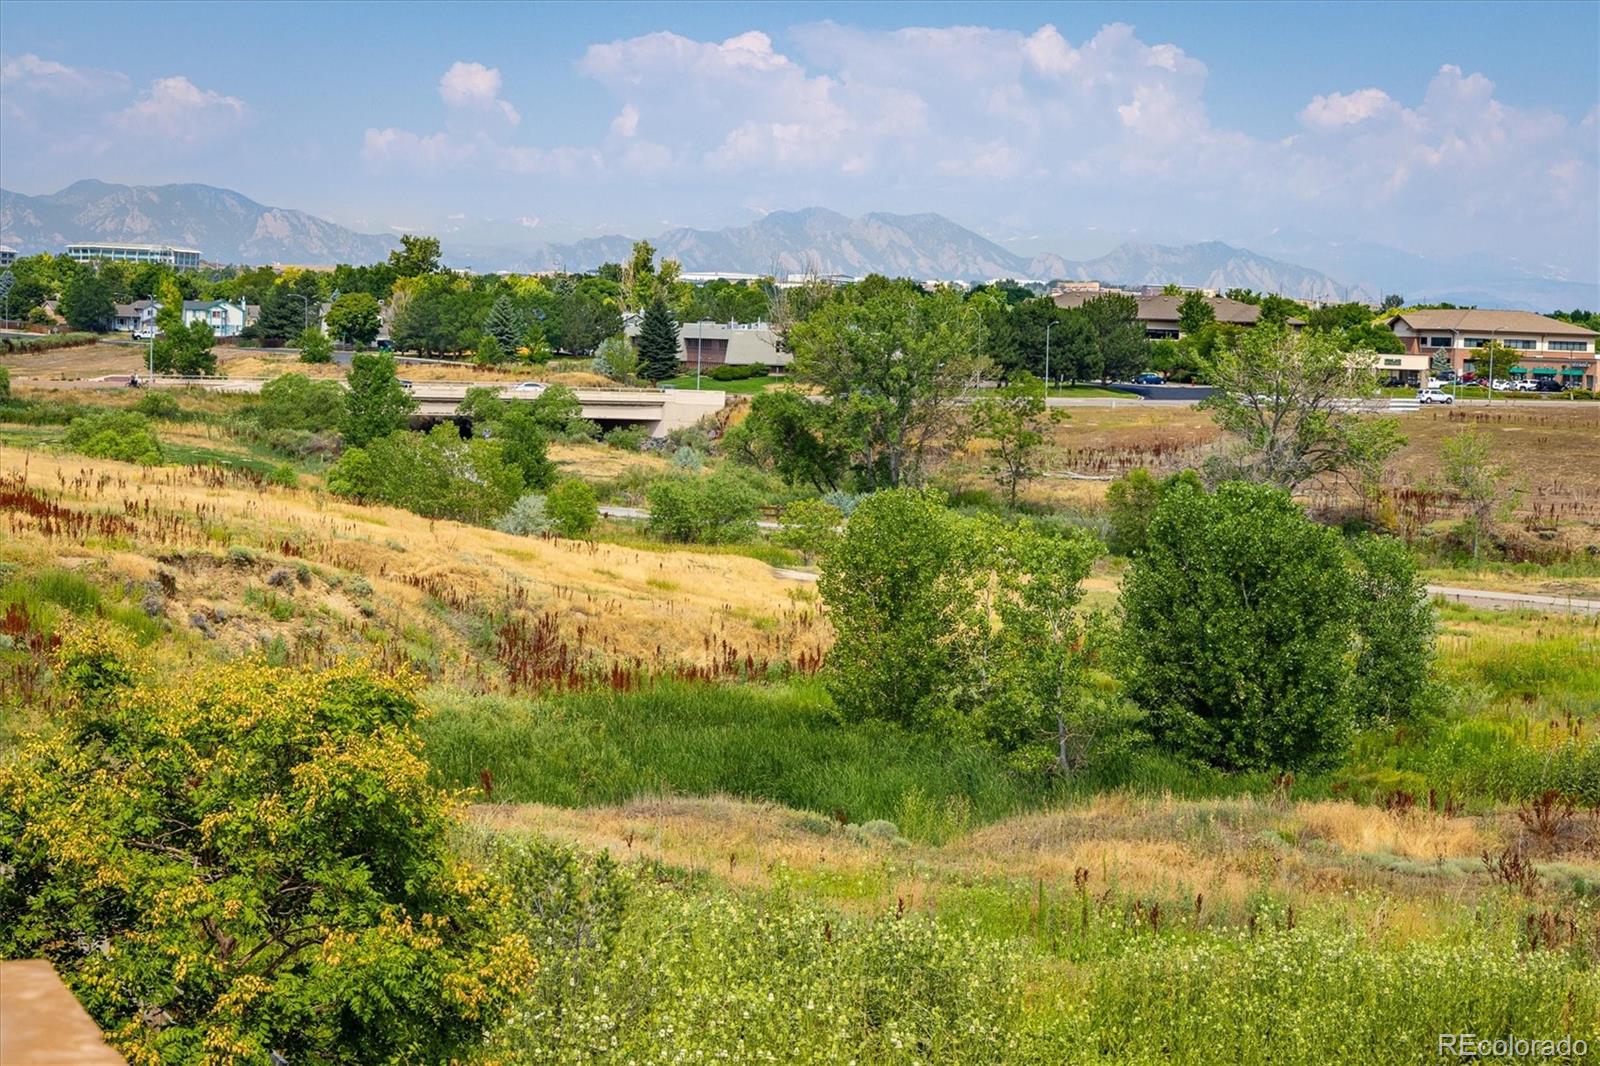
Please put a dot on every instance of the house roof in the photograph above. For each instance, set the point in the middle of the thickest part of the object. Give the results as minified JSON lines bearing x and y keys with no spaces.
{"x":1490,"y":322}
{"x":1163,"y":308}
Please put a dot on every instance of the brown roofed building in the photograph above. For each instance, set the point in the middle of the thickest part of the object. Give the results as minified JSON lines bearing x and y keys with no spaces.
{"x":1159,"y":313}
{"x":1544,"y":348}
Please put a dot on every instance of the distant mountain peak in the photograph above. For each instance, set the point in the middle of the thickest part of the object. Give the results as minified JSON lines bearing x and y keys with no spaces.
{"x":226,"y":226}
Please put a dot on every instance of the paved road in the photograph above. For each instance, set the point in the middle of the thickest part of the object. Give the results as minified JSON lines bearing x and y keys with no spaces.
{"x":639,"y":514}
{"x":1515,"y":601}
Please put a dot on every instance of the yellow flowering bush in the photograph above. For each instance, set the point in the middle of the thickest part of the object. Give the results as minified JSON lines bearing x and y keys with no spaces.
{"x":250,"y":861}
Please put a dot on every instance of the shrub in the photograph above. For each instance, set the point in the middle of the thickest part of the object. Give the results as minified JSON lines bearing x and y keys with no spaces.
{"x":1236,"y":628}
{"x":742,"y":372}
{"x":686,"y":458}
{"x":572,"y":508}
{"x":314,"y":346}
{"x":122,"y":435}
{"x":5,"y":385}
{"x":1131,"y":502}
{"x":47,"y":342}
{"x":526,"y":518}
{"x":810,"y":526}
{"x":296,"y":402}
{"x":211,"y":864}
{"x":703,"y":510}
{"x":626,"y":438}
{"x":283,"y":476}
{"x":159,"y":405}
{"x":437,"y":475}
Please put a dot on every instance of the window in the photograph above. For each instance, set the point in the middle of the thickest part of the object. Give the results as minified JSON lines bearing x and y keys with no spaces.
{"x":1475,"y":342}
{"x":1438,"y":342}
{"x":1521,"y":345}
{"x":1569,"y":346}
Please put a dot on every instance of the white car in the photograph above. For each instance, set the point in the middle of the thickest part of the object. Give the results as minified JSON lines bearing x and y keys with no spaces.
{"x":1434,"y":396}
{"x":529,"y":388}
{"x":1527,"y":386}
{"x":1503,"y":385}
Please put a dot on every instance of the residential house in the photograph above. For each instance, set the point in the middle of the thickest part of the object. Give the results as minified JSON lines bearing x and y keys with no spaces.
{"x":225,"y":319}
{"x":1542,"y":348}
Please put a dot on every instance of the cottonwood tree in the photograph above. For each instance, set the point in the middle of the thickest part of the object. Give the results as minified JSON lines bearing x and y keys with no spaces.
{"x":800,"y":440}
{"x":1288,"y":399}
{"x":415,"y":257}
{"x":1013,"y":418}
{"x":895,"y":362}
{"x":377,"y":404}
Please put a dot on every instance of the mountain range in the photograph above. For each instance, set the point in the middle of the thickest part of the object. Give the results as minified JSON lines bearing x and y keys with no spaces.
{"x":230,"y":227}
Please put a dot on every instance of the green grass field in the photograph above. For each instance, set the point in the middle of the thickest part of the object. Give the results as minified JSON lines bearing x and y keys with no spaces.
{"x":744,"y":387}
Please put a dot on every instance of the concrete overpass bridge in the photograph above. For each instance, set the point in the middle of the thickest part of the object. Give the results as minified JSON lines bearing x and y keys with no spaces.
{"x":658,"y":411}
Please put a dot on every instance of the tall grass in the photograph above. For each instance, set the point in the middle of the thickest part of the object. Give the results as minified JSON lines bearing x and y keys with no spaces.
{"x":779,"y":743}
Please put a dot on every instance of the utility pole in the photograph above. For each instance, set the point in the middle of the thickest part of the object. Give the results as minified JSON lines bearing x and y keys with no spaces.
{"x":699,"y":333}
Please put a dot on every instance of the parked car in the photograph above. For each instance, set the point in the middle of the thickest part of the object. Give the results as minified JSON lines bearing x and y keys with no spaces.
{"x":1434,"y":396}
{"x":1503,"y":385}
{"x":1148,"y":379}
{"x":529,"y":388}
{"x":1547,"y":385}
{"x":1528,"y":385}
{"x":404,"y":383}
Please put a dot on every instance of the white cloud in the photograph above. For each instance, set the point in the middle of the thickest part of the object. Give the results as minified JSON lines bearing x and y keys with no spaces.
{"x":626,"y":124}
{"x":529,"y":221}
{"x":475,"y":86}
{"x":1345,"y":109}
{"x":30,"y":73}
{"x":175,"y":109}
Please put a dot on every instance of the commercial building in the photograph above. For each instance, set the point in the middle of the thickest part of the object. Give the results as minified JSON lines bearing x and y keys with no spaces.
{"x":1543,"y":349}
{"x":8,"y":255}
{"x":713,"y":344}
{"x":162,"y":254}
{"x":1160,"y":313}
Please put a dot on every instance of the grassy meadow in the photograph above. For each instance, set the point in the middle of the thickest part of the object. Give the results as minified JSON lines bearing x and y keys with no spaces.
{"x":711,"y":864}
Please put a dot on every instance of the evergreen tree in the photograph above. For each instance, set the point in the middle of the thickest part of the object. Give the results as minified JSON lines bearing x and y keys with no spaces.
{"x":658,"y":343}
{"x":506,"y":324}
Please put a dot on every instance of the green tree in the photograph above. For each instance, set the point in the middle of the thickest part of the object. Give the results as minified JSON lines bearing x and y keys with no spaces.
{"x":617,"y":359}
{"x":1075,"y":348}
{"x":314,"y":346}
{"x":489,"y":352}
{"x":377,"y":404}
{"x":435,"y":474}
{"x":439,"y":315}
{"x":296,"y":402}
{"x":1279,"y":310}
{"x":1120,"y":344}
{"x":283,"y":315}
{"x":1477,"y":480}
{"x":1131,"y":502}
{"x":892,"y":590}
{"x":1286,"y":397}
{"x":811,"y":527}
{"x":1395,"y":631}
{"x":895,"y":362}
{"x":354,"y":318}
{"x":1013,"y":418}
{"x":658,"y":343}
{"x":801,"y":441}
{"x":415,"y":257}
{"x":1237,"y":629}
{"x":1194,"y":312}
{"x":506,"y":324}
{"x":86,"y":303}
{"x":718,"y":509}
{"x":122,"y":435}
{"x":212,"y":861}
{"x":572,"y":508}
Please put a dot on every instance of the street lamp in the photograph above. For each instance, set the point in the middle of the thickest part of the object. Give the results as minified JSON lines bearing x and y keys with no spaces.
{"x":1047,"y":326}
{"x":699,"y":333}
{"x":152,"y":372}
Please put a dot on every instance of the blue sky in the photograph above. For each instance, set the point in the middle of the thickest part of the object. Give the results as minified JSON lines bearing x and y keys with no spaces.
{"x":1441,"y":128}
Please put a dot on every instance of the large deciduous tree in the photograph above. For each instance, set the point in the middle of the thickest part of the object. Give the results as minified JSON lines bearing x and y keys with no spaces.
{"x":896,"y":362}
{"x":415,"y":257}
{"x":354,"y":318}
{"x":377,"y":404}
{"x":86,"y":303}
{"x":1013,"y":419}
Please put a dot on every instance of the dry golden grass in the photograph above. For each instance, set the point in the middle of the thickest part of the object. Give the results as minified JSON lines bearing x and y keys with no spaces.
{"x":598,"y":462}
{"x":73,"y":364}
{"x":1333,"y":854}
{"x":607,"y":598}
